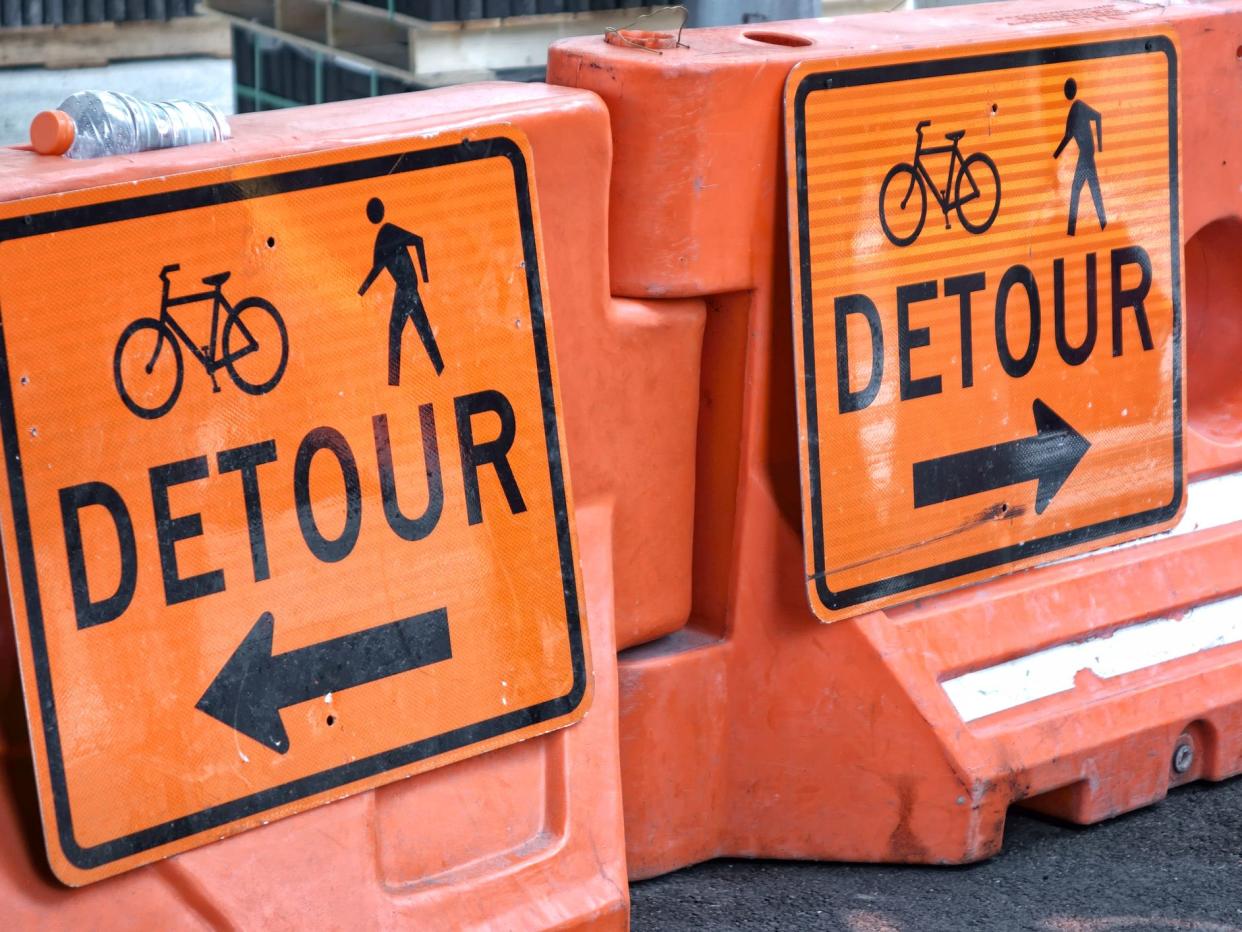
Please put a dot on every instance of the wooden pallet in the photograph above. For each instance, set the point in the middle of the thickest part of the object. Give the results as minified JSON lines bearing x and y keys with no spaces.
{"x":93,"y":44}
{"x":421,"y":50}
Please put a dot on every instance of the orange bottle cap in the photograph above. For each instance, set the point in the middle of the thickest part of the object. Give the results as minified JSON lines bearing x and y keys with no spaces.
{"x":52,"y":132}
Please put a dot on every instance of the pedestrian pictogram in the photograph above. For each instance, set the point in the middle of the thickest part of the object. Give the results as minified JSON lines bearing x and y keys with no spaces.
{"x":972,"y":188}
{"x":150,"y":387}
{"x":316,"y":576}
{"x":392,"y":252}
{"x":973,"y":404}
{"x":1078,"y":127}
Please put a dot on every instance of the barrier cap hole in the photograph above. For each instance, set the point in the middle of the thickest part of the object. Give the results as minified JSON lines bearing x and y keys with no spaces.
{"x":777,"y":38}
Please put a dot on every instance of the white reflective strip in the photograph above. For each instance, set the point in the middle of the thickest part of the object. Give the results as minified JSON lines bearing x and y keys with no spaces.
{"x":1048,"y":672}
{"x":1209,"y":503}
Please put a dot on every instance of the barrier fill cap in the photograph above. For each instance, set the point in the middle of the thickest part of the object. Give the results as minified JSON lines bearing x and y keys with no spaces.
{"x":52,"y":132}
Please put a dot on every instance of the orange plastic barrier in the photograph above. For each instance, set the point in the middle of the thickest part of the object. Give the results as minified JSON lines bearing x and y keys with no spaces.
{"x":630,"y":416}
{"x":1084,"y":688}
{"x":528,"y":836}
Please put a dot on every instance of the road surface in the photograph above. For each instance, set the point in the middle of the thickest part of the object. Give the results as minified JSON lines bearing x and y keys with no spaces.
{"x":1173,"y":867}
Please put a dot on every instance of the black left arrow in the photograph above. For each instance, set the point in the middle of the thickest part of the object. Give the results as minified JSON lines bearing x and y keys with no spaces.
{"x":254,"y":685}
{"x":1048,"y":457}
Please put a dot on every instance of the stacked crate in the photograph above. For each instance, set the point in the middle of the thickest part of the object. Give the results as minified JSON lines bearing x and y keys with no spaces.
{"x":88,"y":33}
{"x":74,"y":12}
{"x":270,"y":72}
{"x":293,"y":52}
{"x":441,"y":10}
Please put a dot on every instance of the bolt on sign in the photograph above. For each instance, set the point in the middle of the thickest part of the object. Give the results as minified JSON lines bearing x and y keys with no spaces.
{"x":987,"y":311}
{"x":285,"y":512}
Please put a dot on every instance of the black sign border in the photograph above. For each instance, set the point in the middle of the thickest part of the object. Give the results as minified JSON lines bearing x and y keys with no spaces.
{"x":19,"y":227}
{"x":999,"y":61}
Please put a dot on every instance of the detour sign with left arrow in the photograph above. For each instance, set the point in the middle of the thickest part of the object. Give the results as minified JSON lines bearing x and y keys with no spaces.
{"x":987,"y":310}
{"x":285,"y":512}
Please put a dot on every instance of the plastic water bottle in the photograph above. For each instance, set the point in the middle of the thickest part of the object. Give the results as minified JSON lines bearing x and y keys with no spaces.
{"x":90,"y":124}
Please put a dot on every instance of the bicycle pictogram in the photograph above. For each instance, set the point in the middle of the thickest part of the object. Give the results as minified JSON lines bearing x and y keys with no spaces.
{"x":973,"y":181}
{"x":234,"y":346}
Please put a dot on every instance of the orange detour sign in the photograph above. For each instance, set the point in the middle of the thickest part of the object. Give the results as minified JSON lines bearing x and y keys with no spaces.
{"x":285,"y":512}
{"x":987,"y":311}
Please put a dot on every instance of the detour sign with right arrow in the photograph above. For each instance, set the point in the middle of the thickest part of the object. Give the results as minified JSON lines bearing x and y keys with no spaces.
{"x":987,"y":311}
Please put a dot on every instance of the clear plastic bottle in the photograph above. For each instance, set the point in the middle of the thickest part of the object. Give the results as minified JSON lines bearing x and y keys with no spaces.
{"x":90,"y":124}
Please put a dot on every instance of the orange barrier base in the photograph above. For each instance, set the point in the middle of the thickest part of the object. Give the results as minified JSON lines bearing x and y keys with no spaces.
{"x":527,"y":837}
{"x":756,"y":731}
{"x":839,"y":742}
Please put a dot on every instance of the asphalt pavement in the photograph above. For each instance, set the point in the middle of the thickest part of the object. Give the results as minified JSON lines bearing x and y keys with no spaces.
{"x":1173,"y":866}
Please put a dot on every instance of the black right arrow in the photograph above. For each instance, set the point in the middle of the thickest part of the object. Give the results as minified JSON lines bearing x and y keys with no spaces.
{"x":1049,"y":457}
{"x":254,"y":685}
